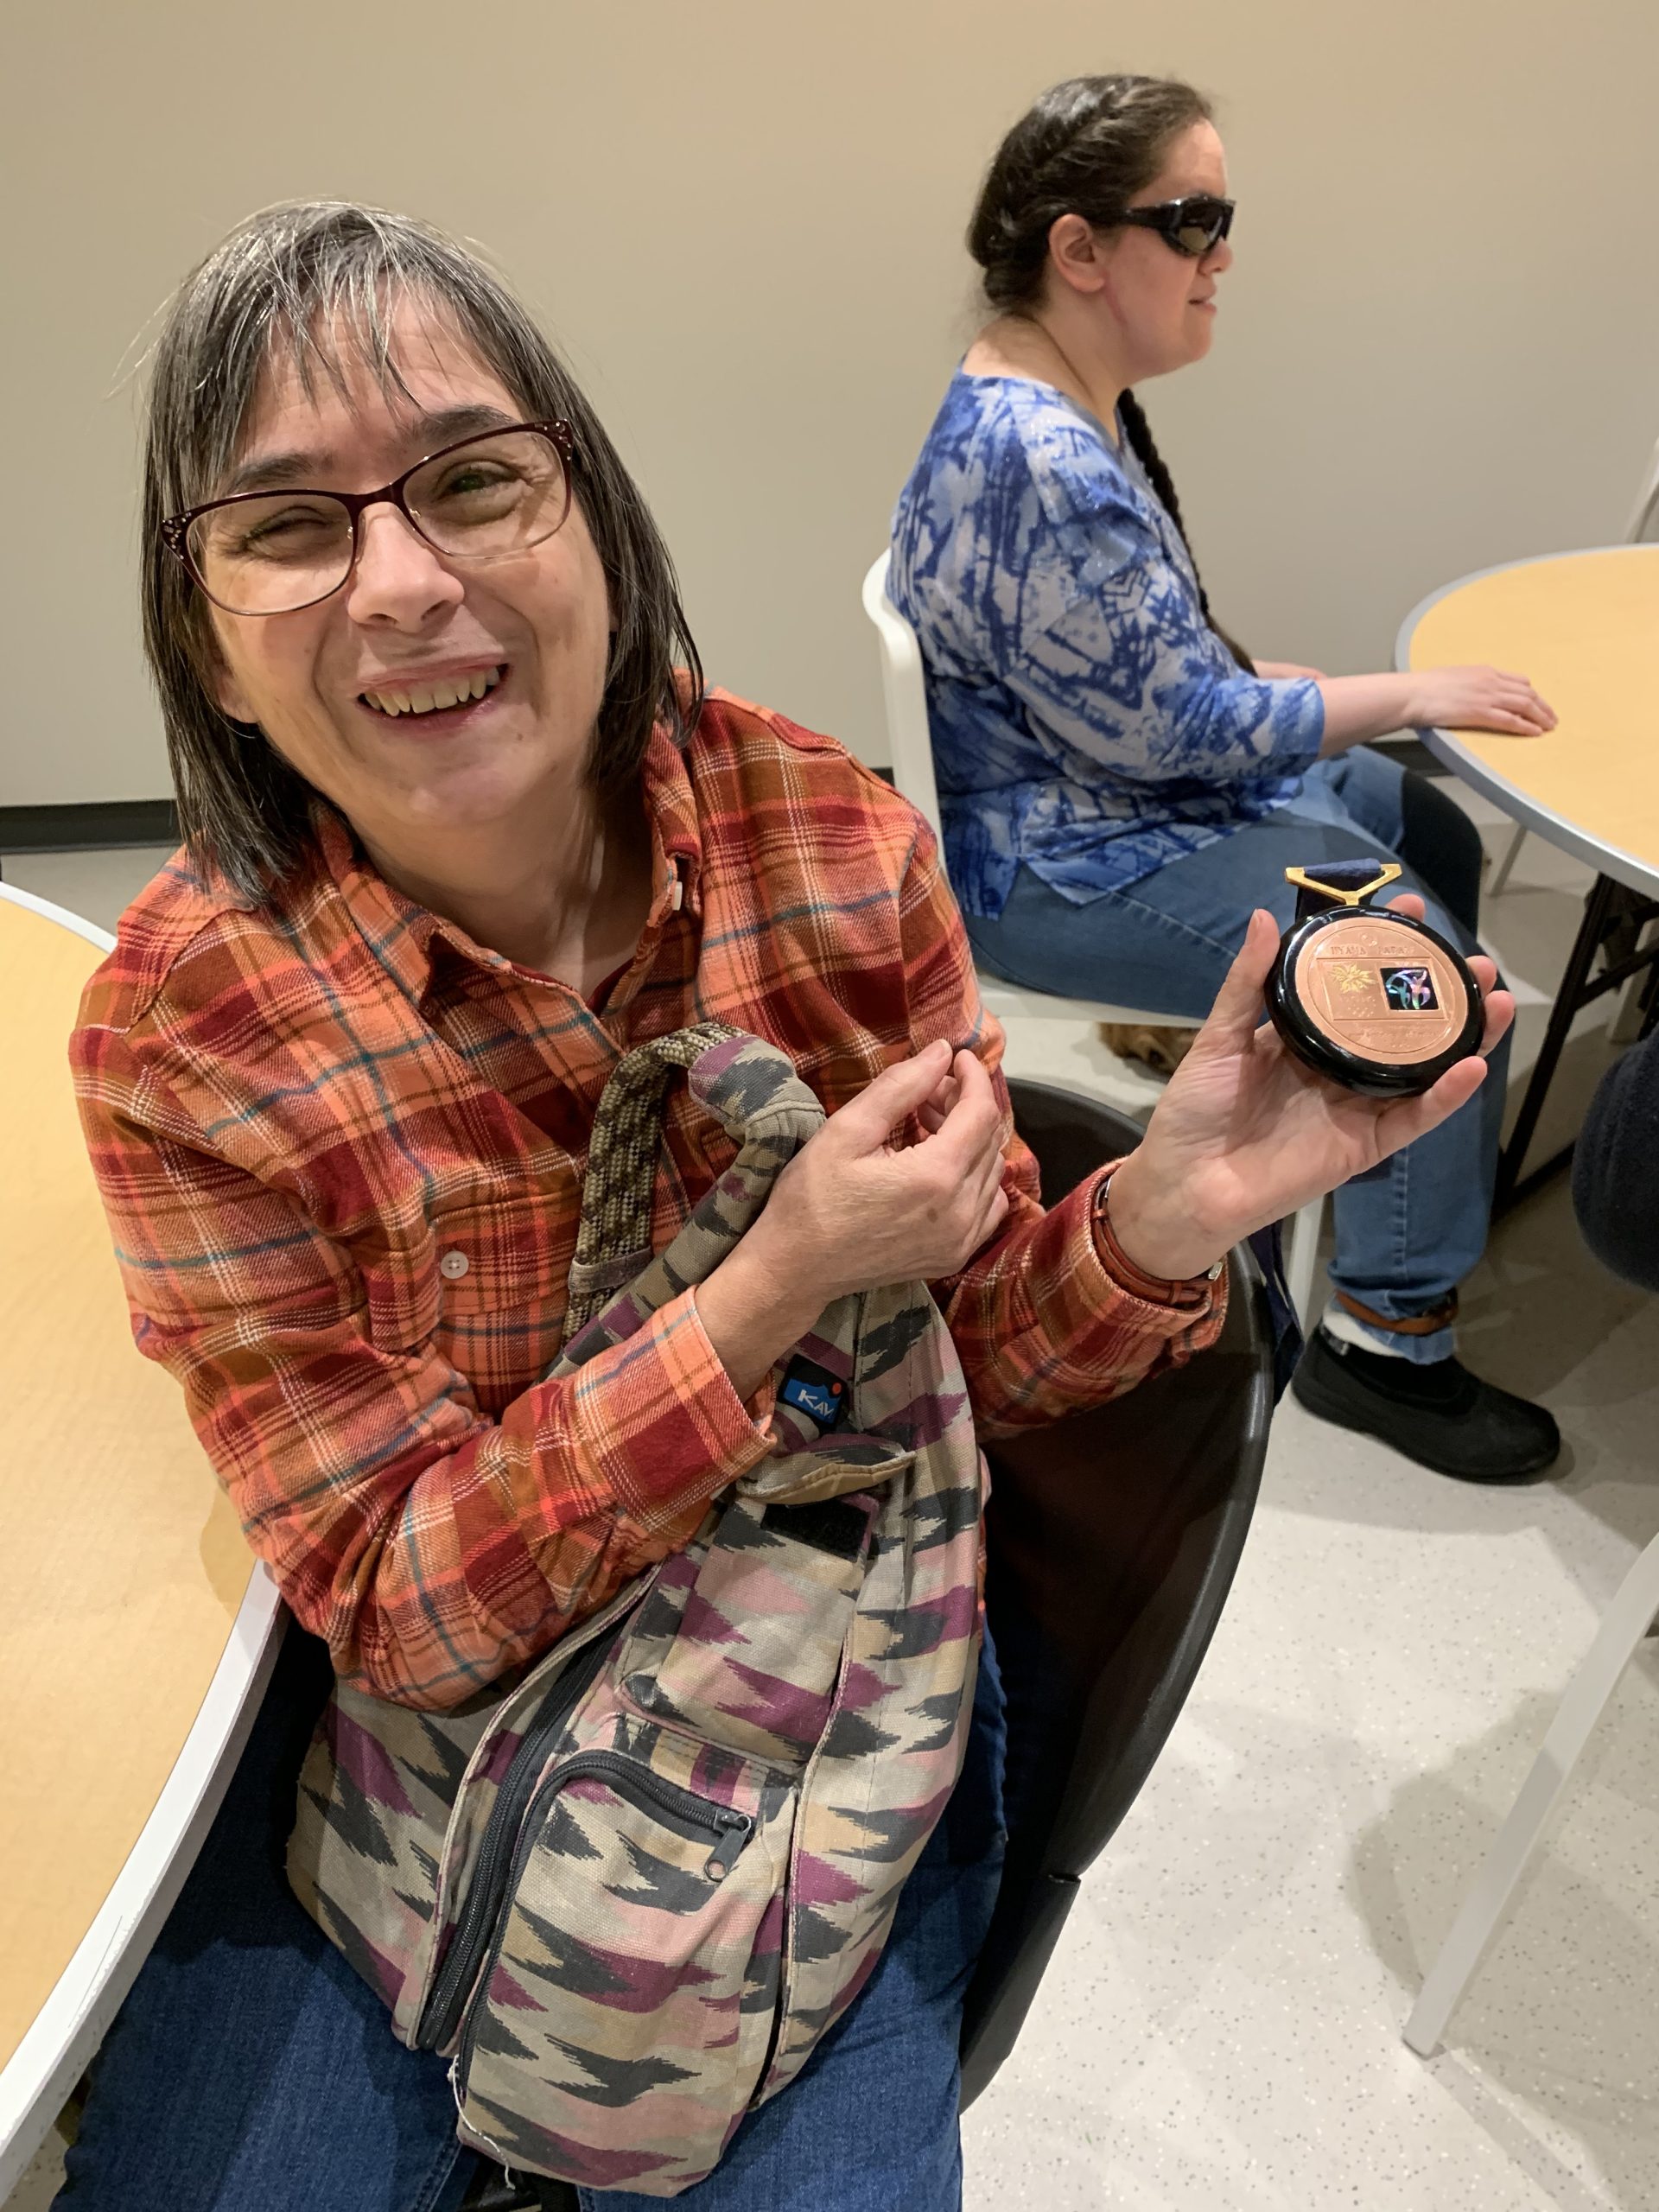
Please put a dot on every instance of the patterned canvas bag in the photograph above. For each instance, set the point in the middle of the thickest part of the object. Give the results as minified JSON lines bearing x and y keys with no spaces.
{"x":628,"y":1893}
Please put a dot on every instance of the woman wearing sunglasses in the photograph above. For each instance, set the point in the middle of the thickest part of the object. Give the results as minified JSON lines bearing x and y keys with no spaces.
{"x":1121,"y":785}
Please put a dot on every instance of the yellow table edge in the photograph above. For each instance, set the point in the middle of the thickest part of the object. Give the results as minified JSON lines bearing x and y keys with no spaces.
{"x":54,"y":2050}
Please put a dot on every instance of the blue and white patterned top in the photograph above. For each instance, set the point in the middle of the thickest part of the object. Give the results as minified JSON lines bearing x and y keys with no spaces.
{"x":1085,"y":718}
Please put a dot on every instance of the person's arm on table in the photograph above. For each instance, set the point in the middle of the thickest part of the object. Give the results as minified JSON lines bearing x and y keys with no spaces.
{"x":1128,"y":671}
{"x":1358,"y":708}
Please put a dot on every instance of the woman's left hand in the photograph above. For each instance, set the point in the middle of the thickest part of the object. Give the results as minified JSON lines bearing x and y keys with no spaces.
{"x":1245,"y":1133}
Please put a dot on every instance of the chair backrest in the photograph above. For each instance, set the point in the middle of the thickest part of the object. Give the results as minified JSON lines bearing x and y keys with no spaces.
{"x":1647,"y":499}
{"x":904,"y":690}
{"x":1113,"y":1538}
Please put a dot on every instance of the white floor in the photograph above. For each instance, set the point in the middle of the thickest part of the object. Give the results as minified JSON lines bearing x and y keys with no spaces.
{"x":1220,"y":2030}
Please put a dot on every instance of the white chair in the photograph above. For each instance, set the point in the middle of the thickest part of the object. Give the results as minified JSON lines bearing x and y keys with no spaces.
{"x":1647,"y":499}
{"x":1628,"y":1620}
{"x":904,"y":691}
{"x":1641,"y":514}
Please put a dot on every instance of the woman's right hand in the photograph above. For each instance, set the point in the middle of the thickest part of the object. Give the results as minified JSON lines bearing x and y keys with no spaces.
{"x":1478,"y":699}
{"x":851,"y":1213}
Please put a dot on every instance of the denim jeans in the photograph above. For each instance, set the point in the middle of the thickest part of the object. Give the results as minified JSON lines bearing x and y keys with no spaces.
{"x":250,"y":2070}
{"x":1408,"y":1232}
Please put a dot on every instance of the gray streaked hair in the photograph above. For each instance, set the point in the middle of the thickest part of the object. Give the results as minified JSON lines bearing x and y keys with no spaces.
{"x":291,"y":283}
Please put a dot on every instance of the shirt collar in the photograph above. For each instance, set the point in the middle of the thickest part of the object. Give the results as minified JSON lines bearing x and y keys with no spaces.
{"x":403,"y":936}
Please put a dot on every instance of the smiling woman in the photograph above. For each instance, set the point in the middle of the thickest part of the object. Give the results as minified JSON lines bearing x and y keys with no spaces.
{"x":301,"y":320}
{"x":472,"y":867}
{"x":463,"y":840}
{"x":432,"y":656}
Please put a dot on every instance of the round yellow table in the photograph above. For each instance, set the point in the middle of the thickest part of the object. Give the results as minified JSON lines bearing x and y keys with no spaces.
{"x":135,"y":1633}
{"x":1584,"y":627}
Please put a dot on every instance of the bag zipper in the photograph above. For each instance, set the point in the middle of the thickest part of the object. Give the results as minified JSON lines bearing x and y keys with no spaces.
{"x":684,"y":1809}
{"x":486,"y":1891}
{"x":728,"y":1830}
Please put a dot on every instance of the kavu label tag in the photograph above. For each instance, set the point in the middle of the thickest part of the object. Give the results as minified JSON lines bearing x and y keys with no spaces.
{"x":814,"y":1391}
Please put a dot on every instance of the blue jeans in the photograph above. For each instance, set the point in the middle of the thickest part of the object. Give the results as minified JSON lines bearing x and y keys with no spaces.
{"x":1406,"y":1232}
{"x":250,"y":2070}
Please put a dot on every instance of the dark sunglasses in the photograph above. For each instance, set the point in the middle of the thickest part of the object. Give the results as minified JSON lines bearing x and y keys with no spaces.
{"x":1194,"y":227}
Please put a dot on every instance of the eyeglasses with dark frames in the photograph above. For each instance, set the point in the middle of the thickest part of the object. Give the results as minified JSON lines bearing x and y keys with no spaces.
{"x":484,"y":498}
{"x":1194,"y":227}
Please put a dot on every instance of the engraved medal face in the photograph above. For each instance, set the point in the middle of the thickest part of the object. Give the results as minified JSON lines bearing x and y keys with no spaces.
{"x":1381,"y":991}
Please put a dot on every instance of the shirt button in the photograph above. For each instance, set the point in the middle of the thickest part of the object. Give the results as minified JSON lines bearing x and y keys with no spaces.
{"x":454,"y":1265}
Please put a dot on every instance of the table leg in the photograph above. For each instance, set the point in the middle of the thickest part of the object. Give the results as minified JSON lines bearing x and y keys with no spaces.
{"x":1649,"y":1005}
{"x":1569,"y":997}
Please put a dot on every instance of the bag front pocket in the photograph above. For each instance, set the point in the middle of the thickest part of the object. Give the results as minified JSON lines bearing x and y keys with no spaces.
{"x":625,"y":2010}
{"x":752,"y":1659}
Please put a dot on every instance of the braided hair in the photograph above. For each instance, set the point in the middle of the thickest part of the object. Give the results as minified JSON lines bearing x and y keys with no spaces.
{"x":1138,"y":431}
{"x":1085,"y":148}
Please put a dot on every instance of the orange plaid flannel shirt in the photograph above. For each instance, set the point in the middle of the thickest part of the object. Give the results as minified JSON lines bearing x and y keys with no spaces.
{"x":341,"y":1146}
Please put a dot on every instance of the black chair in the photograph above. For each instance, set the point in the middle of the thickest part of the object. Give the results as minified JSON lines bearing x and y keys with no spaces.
{"x":1112,"y":1539}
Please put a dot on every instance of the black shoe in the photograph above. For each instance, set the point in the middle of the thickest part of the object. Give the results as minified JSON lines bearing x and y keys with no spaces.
{"x":1441,"y":1415}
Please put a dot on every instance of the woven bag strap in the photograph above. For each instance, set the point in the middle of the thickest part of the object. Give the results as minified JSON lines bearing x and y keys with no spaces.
{"x":750,"y":1086}
{"x":622,"y":1179}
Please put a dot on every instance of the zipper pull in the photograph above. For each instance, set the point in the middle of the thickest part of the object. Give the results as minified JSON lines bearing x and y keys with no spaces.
{"x":726,"y":1852}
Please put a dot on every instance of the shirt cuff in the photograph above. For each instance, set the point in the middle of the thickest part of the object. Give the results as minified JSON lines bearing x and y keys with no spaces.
{"x":675,"y":1430}
{"x":1297,"y":721}
{"x":1087,"y":1328}
{"x":1194,"y":1292}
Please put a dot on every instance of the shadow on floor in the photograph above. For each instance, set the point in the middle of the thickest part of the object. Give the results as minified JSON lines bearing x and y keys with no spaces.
{"x":1558,"y":2034}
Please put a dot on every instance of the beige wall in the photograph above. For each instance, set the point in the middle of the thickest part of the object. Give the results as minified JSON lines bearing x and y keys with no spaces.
{"x":1439,"y":348}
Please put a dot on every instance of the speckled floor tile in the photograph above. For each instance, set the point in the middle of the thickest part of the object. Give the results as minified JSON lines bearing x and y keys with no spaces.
{"x":1221,"y":2025}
